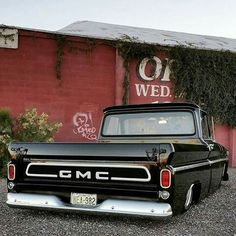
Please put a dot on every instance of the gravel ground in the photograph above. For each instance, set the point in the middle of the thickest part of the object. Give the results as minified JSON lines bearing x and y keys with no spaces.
{"x":215,"y":215}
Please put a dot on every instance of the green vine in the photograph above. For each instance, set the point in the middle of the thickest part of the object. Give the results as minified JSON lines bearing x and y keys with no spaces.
{"x":208,"y":79}
{"x":201,"y":76}
{"x":87,"y":46}
{"x":61,"y":41}
{"x":128,"y":49}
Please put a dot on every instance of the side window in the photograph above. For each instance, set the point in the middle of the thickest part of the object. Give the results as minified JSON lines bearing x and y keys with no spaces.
{"x":112,"y":125}
{"x":211,"y":126}
{"x":205,"y":126}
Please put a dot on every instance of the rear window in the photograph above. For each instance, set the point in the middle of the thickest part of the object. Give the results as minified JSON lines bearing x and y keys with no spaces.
{"x":149,"y":123}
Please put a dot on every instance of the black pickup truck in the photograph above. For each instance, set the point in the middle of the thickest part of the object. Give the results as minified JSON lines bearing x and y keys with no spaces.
{"x":152,"y":160}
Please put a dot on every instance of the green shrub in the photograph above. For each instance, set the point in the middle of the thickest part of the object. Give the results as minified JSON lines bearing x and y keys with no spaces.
{"x":5,"y":138}
{"x":28,"y":127}
{"x":32,"y":127}
{"x":5,"y":122}
{"x":4,"y":154}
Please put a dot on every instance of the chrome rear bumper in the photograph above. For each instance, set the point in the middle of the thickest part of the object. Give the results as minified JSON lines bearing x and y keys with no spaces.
{"x":113,"y":206}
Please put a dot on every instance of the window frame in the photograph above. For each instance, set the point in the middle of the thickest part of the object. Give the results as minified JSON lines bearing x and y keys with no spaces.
{"x":205,"y":118}
{"x":150,"y":135}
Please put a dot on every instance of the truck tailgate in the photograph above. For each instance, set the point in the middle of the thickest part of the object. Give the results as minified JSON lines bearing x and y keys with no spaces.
{"x":105,"y":169}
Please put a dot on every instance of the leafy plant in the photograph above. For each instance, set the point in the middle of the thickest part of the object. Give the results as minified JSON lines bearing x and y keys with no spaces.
{"x":5,"y":122}
{"x":205,"y":77}
{"x":128,"y":49}
{"x":28,"y":127}
{"x":61,"y":41}
{"x":5,"y":138}
{"x":32,"y":127}
{"x":208,"y":79}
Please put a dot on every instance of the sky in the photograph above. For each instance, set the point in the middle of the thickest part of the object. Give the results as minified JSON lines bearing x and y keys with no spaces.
{"x":205,"y":17}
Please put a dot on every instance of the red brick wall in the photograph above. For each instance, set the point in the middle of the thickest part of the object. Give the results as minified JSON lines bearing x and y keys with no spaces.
{"x":28,"y":79}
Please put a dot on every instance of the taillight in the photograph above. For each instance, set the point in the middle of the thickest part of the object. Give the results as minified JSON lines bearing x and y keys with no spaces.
{"x":11,"y":171}
{"x":165,"y":178}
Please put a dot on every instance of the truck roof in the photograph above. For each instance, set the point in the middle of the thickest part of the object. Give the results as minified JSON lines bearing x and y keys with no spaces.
{"x":151,"y":106}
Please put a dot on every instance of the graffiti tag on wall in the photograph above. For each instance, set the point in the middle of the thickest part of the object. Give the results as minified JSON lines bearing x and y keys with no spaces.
{"x":84,"y":125}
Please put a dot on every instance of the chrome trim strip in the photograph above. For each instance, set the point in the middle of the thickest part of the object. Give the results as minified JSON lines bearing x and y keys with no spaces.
{"x":38,"y":160}
{"x":172,"y":146}
{"x":218,"y":160}
{"x":132,"y":179}
{"x":189,"y":197}
{"x":192,"y":166}
{"x":111,"y":206}
{"x":91,"y":165}
{"x":188,"y":167}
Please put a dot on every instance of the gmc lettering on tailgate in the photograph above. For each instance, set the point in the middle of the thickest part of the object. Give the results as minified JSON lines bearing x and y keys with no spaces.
{"x":85,"y":172}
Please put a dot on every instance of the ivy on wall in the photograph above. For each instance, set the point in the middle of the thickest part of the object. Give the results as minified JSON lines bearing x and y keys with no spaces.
{"x":205,"y":77}
{"x":128,"y":49}
{"x":83,"y":47}
{"x":61,"y":41}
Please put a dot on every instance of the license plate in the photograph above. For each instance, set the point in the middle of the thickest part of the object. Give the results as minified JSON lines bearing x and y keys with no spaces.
{"x":83,"y":199}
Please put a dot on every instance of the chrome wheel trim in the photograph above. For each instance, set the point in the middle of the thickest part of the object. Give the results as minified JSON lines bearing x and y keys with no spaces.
{"x":189,"y":198}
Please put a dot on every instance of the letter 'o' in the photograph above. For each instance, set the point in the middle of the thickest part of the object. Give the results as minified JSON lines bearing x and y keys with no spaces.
{"x":143,"y":64}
